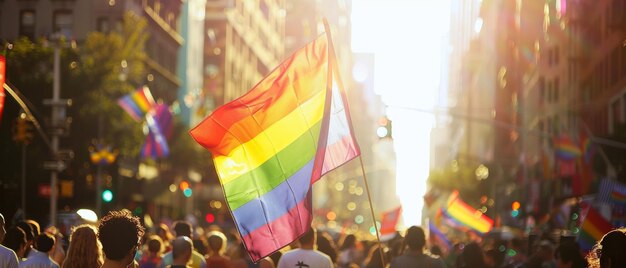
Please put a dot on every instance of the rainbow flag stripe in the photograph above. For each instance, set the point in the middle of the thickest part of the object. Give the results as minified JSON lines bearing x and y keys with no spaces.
{"x":566,"y":149}
{"x":159,"y":121}
{"x":464,"y":214}
{"x":137,"y":103}
{"x":612,"y":192}
{"x":593,"y":228}
{"x":439,"y":237}
{"x":271,"y":144}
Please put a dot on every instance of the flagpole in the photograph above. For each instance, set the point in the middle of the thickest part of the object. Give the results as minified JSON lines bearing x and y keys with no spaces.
{"x":331,"y":53}
{"x":369,"y":198}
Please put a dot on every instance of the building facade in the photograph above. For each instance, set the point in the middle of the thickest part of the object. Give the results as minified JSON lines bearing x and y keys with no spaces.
{"x":192,"y":102}
{"x":244,"y":42}
{"x":76,"y":19}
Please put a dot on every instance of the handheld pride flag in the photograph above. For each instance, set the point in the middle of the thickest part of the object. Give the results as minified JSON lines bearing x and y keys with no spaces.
{"x":594,"y":226}
{"x":270,"y":145}
{"x":159,"y":121}
{"x":389,"y":221}
{"x":612,"y":192}
{"x":137,"y":103}
{"x":464,"y":214}
{"x":566,"y":149}
{"x":438,"y":237}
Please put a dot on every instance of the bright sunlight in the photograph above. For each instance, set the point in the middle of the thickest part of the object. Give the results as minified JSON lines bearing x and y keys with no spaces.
{"x":408,"y":39}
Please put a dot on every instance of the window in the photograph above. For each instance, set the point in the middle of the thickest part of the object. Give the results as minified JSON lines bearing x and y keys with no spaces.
{"x":103,"y":25}
{"x":556,"y":90}
{"x":556,"y":55}
{"x":549,"y":57}
{"x":549,"y":90}
{"x":27,"y":24}
{"x":63,"y":22}
{"x":542,"y":89}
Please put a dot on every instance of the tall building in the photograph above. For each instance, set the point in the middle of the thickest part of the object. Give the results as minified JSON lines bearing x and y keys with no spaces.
{"x":76,"y":19}
{"x":600,"y":60}
{"x":465,"y":24}
{"x":488,"y":97}
{"x":244,"y":42}
{"x":192,"y":102}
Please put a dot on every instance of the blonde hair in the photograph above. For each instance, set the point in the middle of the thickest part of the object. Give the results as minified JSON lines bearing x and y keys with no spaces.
{"x":609,"y":250}
{"x":85,"y":249}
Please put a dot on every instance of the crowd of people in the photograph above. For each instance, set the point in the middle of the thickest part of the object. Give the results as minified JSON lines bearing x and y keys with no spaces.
{"x":119,"y":240}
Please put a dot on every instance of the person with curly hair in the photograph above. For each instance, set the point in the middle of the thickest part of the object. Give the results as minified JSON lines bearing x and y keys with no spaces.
{"x":85,"y":250}
{"x":120,"y":234}
{"x":610,"y":251}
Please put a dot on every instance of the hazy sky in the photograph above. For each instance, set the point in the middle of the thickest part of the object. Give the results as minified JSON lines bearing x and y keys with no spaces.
{"x":407,"y":39}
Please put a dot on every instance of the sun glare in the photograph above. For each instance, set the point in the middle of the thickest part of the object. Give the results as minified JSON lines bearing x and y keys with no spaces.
{"x":408,"y":40}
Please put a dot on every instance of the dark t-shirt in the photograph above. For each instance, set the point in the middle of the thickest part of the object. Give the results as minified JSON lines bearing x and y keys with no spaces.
{"x":417,"y":260}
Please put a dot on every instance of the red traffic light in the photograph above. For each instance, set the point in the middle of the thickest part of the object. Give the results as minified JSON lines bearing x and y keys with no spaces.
{"x":210,"y":218}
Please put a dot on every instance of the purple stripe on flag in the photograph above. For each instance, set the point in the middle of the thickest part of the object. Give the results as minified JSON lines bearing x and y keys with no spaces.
{"x":130,"y":107}
{"x":439,"y":235}
{"x":280,"y":232}
{"x":288,"y":194}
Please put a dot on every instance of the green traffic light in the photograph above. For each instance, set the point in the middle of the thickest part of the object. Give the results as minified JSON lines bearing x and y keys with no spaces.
{"x":107,"y":195}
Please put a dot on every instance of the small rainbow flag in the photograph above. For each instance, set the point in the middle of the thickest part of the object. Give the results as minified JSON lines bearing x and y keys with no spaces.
{"x":611,"y":191}
{"x":438,"y":237}
{"x":137,"y":103}
{"x":565,"y":148}
{"x":389,"y":221}
{"x":464,"y":214}
{"x":270,"y":145}
{"x":594,"y":226}
{"x":159,"y":121}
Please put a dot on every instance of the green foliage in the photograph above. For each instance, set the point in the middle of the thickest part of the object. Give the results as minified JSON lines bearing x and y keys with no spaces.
{"x":188,"y":154}
{"x":95,"y":74}
{"x":112,"y":65}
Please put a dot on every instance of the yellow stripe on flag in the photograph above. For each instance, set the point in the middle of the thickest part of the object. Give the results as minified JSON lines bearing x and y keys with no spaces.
{"x":275,"y":138}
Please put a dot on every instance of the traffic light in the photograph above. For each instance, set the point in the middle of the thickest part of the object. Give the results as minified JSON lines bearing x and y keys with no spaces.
{"x":384,"y":128}
{"x":107,"y":195}
{"x":186,"y":188}
{"x":23,"y":130}
{"x":515,"y":209}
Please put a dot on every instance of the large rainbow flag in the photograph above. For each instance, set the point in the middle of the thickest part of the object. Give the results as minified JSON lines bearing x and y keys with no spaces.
{"x":271,"y":144}
{"x":465,"y":215}
{"x":594,"y":226}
